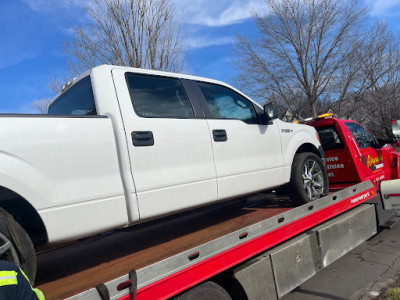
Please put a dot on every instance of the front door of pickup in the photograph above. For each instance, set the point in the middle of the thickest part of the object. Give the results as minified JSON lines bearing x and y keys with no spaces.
{"x":247,"y":154}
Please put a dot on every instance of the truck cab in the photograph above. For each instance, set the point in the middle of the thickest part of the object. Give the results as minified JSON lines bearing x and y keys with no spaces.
{"x":353,"y":154}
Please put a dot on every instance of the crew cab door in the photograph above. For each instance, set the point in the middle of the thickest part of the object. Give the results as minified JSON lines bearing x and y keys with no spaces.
{"x":375,"y":164}
{"x":168,"y":142}
{"x":342,"y":167}
{"x":247,"y":154}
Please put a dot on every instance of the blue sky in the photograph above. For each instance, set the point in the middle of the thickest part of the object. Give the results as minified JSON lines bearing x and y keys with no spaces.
{"x":32,"y":34}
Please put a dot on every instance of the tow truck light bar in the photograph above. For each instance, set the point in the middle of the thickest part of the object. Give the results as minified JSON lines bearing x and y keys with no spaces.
{"x":322,"y":116}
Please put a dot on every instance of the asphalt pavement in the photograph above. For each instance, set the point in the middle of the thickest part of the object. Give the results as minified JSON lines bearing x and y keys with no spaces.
{"x":364,"y":273}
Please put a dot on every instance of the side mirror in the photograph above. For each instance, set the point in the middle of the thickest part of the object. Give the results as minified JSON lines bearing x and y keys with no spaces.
{"x":270,"y":112}
{"x":390,"y":193}
{"x":382,"y":142}
{"x":396,"y":129}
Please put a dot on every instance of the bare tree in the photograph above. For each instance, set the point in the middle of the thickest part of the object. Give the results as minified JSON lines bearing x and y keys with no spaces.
{"x":310,"y":53}
{"x":41,"y":105}
{"x":380,"y":103}
{"x":136,"y":33}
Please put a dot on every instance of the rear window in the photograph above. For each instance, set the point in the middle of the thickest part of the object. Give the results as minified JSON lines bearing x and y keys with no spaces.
{"x":330,"y":139}
{"x":77,"y":101}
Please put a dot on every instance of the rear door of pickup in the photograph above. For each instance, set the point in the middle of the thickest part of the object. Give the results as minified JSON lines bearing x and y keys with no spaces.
{"x":247,"y":154}
{"x":168,"y":142}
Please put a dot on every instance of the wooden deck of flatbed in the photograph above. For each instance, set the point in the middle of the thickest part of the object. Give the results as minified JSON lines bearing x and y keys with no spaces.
{"x":67,"y":271}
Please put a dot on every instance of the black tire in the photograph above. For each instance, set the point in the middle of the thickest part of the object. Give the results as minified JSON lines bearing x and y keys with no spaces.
{"x":309,"y":180}
{"x":16,"y":245}
{"x":205,"y":291}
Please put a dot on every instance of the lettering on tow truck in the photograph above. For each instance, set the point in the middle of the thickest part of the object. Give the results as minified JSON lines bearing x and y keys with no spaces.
{"x":382,"y":177}
{"x":360,"y":198}
{"x":333,"y":166}
{"x":332,"y":158}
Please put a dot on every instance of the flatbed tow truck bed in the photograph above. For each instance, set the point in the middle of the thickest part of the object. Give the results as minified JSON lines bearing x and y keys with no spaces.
{"x":171,"y":255}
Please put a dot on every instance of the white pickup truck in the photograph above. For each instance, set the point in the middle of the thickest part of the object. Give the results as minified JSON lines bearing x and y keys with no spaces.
{"x":122,"y":145}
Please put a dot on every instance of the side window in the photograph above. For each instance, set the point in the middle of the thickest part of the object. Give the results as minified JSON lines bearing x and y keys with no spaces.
{"x":158,"y":97}
{"x":78,"y":100}
{"x":330,"y":139}
{"x":227,"y":104}
{"x":363,"y":138}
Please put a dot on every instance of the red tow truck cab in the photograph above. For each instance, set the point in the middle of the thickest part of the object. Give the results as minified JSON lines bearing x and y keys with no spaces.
{"x":353,"y":154}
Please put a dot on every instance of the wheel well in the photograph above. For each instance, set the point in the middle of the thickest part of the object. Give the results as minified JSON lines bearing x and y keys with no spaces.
{"x":24,"y":213}
{"x":308,"y":148}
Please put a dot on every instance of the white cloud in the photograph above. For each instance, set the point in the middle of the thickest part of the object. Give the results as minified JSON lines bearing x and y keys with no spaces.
{"x":203,"y":42}
{"x":218,"y":13}
{"x":201,"y":12}
{"x":11,"y":56}
{"x":385,"y":7}
{"x":68,"y":31}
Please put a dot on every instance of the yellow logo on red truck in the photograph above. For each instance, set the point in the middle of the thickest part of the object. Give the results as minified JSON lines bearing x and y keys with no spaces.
{"x":373,"y":162}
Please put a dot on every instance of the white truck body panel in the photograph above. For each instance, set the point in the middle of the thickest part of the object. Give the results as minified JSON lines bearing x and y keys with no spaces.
{"x":104,"y":88}
{"x":248,"y":161}
{"x":293,"y":136}
{"x":178,"y":171}
{"x":68,"y":170}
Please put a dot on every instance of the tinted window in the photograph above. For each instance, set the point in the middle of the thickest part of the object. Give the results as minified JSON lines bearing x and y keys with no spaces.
{"x":330,"y":139}
{"x":363,"y":138}
{"x":158,"y":97}
{"x":396,"y":129}
{"x":78,"y":100}
{"x":227,"y":104}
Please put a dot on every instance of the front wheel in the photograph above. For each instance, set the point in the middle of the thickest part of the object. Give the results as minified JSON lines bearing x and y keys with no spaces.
{"x":308,"y":181}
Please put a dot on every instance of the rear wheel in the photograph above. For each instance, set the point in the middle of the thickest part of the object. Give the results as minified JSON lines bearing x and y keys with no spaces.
{"x":16,"y":246}
{"x":309,"y":180}
{"x":205,"y":291}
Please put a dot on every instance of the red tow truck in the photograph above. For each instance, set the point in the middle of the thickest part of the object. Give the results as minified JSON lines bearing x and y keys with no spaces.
{"x":260,"y":248}
{"x":353,"y":154}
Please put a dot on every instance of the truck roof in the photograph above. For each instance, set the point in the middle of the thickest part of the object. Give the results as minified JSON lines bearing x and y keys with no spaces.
{"x":109,"y":68}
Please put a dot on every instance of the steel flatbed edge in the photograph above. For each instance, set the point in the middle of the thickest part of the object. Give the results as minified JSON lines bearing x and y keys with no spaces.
{"x":178,"y":273}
